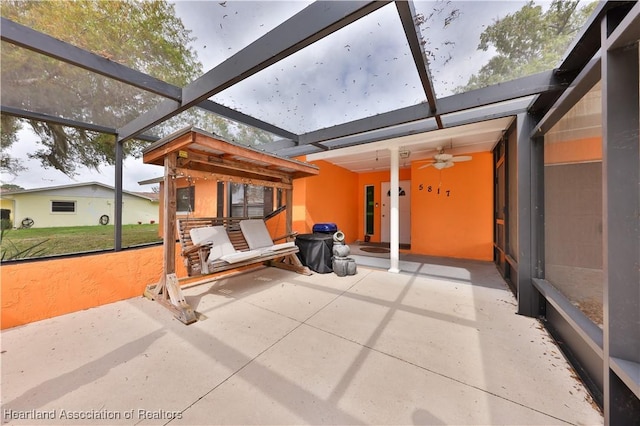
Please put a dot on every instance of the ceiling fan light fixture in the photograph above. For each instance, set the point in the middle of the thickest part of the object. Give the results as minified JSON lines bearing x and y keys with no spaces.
{"x":443,"y":157}
{"x":440,"y":166}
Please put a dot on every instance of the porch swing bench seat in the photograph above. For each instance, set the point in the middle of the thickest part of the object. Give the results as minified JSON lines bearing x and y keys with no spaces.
{"x":217,"y":244}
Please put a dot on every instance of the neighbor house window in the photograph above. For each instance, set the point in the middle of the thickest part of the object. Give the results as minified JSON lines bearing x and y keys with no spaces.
{"x":63,"y":207}
{"x":185,"y":199}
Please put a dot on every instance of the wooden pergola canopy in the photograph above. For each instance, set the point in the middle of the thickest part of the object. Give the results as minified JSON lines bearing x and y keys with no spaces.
{"x":194,"y":153}
{"x":204,"y":155}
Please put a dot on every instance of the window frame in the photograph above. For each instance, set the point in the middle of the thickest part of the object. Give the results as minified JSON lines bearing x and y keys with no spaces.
{"x":267,"y":200}
{"x":191,"y":199}
{"x":74,"y":202}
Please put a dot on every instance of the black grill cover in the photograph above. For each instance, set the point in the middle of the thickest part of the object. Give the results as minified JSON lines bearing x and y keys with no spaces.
{"x":316,"y":251}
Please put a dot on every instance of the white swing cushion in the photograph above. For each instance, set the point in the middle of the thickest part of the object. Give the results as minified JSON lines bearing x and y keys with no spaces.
{"x":256,"y":234}
{"x":240,"y":256}
{"x":217,"y":237}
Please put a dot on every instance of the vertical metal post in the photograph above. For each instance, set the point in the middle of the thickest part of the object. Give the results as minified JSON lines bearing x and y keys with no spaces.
{"x":289,"y":210}
{"x":529,"y":178}
{"x":621,"y":234}
{"x":117,"y":211}
{"x":394,"y":213}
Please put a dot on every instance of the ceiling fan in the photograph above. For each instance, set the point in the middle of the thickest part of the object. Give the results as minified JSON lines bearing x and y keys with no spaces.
{"x":444,"y":161}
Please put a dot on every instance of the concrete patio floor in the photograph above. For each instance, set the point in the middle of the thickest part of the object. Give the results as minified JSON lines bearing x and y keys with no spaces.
{"x":438,"y":345}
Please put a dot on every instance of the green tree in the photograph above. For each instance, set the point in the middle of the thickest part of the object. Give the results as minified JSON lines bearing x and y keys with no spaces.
{"x":9,"y":128}
{"x":527,"y":41}
{"x":6,"y":187}
{"x":143,"y":35}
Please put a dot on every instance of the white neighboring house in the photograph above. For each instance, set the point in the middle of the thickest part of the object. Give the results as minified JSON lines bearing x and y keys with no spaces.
{"x":81,"y":204}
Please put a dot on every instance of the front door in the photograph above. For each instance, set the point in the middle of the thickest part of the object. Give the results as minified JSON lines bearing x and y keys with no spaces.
{"x":404,"y":205}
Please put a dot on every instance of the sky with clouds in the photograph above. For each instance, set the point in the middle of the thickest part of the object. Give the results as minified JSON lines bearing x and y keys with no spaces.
{"x":359,"y":71}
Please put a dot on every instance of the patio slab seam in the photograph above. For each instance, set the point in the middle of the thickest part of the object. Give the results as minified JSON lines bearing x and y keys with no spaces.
{"x":245,"y":365}
{"x":341,"y":293}
{"x":438,"y":374}
{"x":367,"y":347}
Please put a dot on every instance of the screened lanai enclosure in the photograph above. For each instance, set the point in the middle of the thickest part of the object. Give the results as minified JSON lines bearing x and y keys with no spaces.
{"x":550,"y":89}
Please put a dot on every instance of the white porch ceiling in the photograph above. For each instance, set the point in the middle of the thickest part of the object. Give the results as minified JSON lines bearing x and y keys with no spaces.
{"x":375,"y":156}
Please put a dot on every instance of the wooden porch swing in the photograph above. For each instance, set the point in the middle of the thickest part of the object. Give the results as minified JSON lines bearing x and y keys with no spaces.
{"x":196,"y":154}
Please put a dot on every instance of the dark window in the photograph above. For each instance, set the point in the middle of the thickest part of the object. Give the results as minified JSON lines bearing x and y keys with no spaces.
{"x":280,"y":201}
{"x":369,"y":205}
{"x":220,"y":195}
{"x":185,"y":199}
{"x":63,"y":206}
{"x":5,"y":214}
{"x":250,"y":200}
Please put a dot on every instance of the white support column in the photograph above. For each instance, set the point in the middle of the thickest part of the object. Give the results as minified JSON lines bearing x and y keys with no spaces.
{"x":394,"y":215}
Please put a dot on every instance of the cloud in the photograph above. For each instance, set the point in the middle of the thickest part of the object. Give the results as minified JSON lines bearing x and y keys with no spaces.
{"x":37,"y":177}
{"x":359,"y":71}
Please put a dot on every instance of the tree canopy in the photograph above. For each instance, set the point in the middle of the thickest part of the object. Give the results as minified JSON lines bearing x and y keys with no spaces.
{"x":529,"y":40}
{"x":6,"y":187}
{"x":143,"y":35}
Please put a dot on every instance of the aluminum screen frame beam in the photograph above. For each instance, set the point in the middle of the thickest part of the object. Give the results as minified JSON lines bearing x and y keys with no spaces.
{"x":38,"y":116}
{"x":240,"y":117}
{"x":378,"y":135}
{"x":420,"y":126}
{"x":584,"y":47}
{"x":407,"y":12}
{"x":46,"y":45}
{"x":313,"y":23}
{"x":628,"y":32}
{"x":620,"y":231}
{"x":543,"y":82}
{"x":580,"y":86}
{"x":35,"y":41}
{"x":530,"y":202}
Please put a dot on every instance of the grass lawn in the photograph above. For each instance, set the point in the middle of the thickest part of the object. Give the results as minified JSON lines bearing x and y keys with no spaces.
{"x":74,"y":239}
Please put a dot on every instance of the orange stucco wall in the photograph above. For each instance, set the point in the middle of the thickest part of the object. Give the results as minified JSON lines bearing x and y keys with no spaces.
{"x":299,"y":207}
{"x":375,"y":179}
{"x":206,"y":201}
{"x":277,"y":225}
{"x":33,"y":291}
{"x":206,"y":205}
{"x":331,"y":196}
{"x":458,"y":224}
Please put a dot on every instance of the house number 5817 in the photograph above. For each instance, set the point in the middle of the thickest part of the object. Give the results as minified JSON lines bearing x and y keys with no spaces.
{"x":437,"y":191}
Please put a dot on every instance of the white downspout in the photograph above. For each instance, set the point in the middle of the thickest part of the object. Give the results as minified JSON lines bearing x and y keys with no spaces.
{"x":394,"y":218}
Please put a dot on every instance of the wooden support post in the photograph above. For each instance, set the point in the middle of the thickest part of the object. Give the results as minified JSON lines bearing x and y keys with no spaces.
{"x":183,"y":154}
{"x":170,"y":203}
{"x":290,"y":263}
{"x":167,"y":292}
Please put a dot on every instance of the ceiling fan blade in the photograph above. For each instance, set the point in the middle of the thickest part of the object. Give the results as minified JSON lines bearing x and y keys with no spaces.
{"x":426,"y":165}
{"x":461,"y":158}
